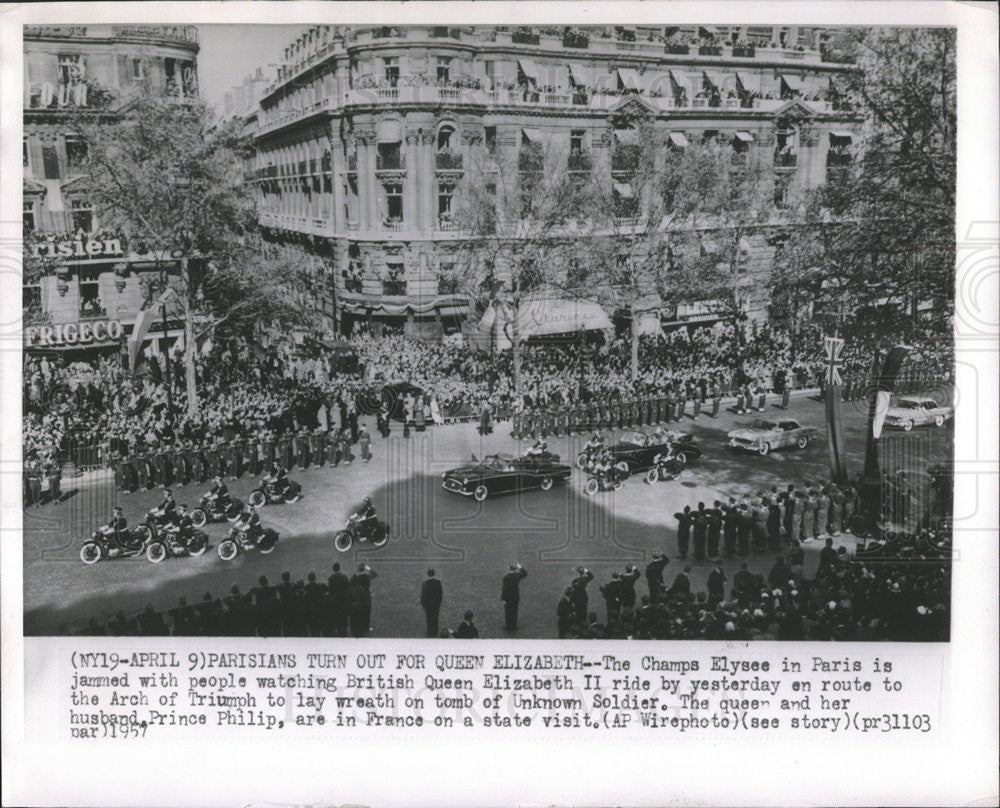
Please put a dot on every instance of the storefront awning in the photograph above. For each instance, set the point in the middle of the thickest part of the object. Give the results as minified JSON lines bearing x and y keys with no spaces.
{"x":582,"y":76}
{"x":543,"y":317}
{"x":746,"y":137}
{"x":676,"y":77}
{"x":629,"y":78}
{"x":624,"y":190}
{"x":842,"y":134}
{"x":750,"y":82}
{"x":793,"y":82}
{"x":529,"y":68}
{"x":717,"y":80}
{"x":390,"y":132}
{"x":532,"y":135}
{"x":678,"y":139}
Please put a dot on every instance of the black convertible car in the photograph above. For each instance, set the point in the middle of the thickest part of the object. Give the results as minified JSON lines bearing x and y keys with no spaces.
{"x":504,"y":473}
{"x":636,"y":450}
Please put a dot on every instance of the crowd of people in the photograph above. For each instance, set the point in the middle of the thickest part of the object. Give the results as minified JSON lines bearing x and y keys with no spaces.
{"x":95,"y":413}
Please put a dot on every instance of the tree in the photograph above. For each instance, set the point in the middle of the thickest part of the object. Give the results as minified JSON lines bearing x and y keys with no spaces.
{"x":881,"y":230}
{"x":524,"y":222}
{"x":161,"y":172}
{"x":720,"y":199}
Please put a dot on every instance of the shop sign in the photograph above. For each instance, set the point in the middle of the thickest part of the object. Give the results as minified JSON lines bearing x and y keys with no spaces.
{"x":72,"y":333}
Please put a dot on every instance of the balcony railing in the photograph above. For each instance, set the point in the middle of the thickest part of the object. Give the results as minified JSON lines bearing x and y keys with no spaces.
{"x":394,"y":288}
{"x":837,"y":158}
{"x":448,"y":286}
{"x":390,"y":162}
{"x":448,"y":161}
{"x":785,"y":160}
{"x":92,"y":312}
{"x":576,"y":41}
{"x":710,"y":50}
{"x":679,"y":50}
{"x":524,"y":38}
{"x":354,"y":285}
{"x":580,"y":161}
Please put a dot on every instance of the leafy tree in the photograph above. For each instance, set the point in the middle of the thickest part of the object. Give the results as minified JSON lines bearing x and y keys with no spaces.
{"x":163,"y":174}
{"x":524,"y":221}
{"x":882,"y":228}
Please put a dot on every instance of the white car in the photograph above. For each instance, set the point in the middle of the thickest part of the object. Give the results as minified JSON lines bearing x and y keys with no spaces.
{"x":911,"y":411}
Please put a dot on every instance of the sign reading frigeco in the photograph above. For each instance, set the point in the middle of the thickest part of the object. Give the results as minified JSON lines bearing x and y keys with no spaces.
{"x":72,"y":333}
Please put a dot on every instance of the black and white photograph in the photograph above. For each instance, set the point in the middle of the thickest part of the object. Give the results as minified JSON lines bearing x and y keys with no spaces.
{"x":360,"y":361}
{"x":631,"y":332}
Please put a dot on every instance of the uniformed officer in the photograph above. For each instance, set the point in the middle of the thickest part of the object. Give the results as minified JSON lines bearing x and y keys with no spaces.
{"x":612,"y":592}
{"x":239,"y":456}
{"x":125,"y":476}
{"x":683,"y":530}
{"x":716,"y":398}
{"x":330,"y":441}
{"x":510,"y":594}
{"x":344,"y":447}
{"x":628,"y":579}
{"x":654,"y":576}
{"x":139,"y":462}
{"x":365,"y":443}
{"x":268,"y":452}
{"x":285,"y":456}
{"x":714,"y":517}
{"x":317,"y":439}
{"x":694,"y":393}
{"x":212,"y":460}
{"x":699,"y":530}
{"x":564,"y":613}
{"x":182,"y":475}
{"x":730,"y":520}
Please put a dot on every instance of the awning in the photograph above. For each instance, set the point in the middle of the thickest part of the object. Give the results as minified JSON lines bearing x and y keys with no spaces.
{"x":842,"y":134}
{"x":529,"y":68}
{"x":624,"y":190}
{"x":389,"y":132}
{"x":657,"y":82}
{"x":627,"y":137}
{"x":793,"y":82}
{"x":676,"y":77}
{"x":533,"y":135}
{"x":542,"y":317}
{"x":629,"y":78}
{"x":720,"y":81}
{"x":582,"y":76}
{"x":746,"y":137}
{"x":678,"y":139}
{"x":750,"y":82}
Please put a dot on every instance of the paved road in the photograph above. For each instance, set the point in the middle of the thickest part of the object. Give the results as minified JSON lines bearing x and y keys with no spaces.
{"x":470,"y":544}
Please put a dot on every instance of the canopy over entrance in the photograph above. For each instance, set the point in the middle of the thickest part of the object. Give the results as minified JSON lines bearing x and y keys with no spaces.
{"x":542,"y":317}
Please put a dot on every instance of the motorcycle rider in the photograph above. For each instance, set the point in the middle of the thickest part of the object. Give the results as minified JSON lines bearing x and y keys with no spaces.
{"x":604,"y":467}
{"x":277,"y":476}
{"x":184,"y":530}
{"x":166,"y":511}
{"x":249,"y":522}
{"x":218,"y":495}
{"x":365,"y":517}
{"x":115,"y":529}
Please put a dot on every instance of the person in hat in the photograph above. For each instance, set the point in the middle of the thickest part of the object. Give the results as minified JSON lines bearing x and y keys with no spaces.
{"x":579,"y":586}
{"x":33,"y":481}
{"x":431,"y":596}
{"x":510,"y":594}
{"x":628,"y":579}
{"x":115,"y":529}
{"x":612,"y":592}
{"x":716,"y":582}
{"x":365,"y":443}
{"x":166,"y":511}
{"x":53,"y":473}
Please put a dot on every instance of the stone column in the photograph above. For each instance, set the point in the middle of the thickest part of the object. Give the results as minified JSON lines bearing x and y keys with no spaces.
{"x":412,"y":183}
{"x":429,"y":181}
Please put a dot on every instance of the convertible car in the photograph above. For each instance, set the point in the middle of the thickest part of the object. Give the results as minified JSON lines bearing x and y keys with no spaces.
{"x":911,"y":411}
{"x":763,"y":436}
{"x":636,"y":450}
{"x":504,"y":474}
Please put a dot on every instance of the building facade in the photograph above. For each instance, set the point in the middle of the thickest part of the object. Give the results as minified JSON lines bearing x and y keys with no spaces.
{"x":81,"y":285}
{"x":366,"y":133}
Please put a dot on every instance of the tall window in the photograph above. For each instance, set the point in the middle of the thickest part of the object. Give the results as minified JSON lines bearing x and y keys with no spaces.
{"x":24,"y":155}
{"x":391,"y":66}
{"x":83,"y":215}
{"x":491,"y":140}
{"x":76,"y":152}
{"x":443,"y":69}
{"x":70,"y":68}
{"x":50,"y":162}
{"x":138,"y":71}
{"x":786,"y":145}
{"x":393,"y":203}
{"x":576,"y":141}
{"x":446,"y":191}
{"x":28,"y":217}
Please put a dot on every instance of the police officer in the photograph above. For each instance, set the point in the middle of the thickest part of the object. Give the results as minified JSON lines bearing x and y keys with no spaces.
{"x":716,"y":392}
{"x":268,"y":452}
{"x":654,"y":576}
{"x":365,"y":443}
{"x":317,"y":447}
{"x":302,"y":448}
{"x":628,"y":579}
{"x":699,"y":530}
{"x":431,"y":596}
{"x":683,"y":530}
{"x":612,"y":592}
{"x":33,"y":481}
{"x":285,"y":451}
{"x":182,"y":474}
{"x":185,"y":527}
{"x":714,"y":518}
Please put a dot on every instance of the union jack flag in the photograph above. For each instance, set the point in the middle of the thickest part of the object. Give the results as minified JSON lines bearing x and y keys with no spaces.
{"x":834,"y":346}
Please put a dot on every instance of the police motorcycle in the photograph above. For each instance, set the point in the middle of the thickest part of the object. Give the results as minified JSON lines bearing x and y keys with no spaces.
{"x":377,"y":534}
{"x":169,"y":543}
{"x":666,"y":466}
{"x":591,"y":453}
{"x":270,"y":491}
{"x":106,"y":544}
{"x":242,"y":539}
{"x":211,"y":510}
{"x":605,"y":476}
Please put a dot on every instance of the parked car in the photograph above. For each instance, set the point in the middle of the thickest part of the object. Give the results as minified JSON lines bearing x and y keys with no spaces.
{"x":504,"y":474}
{"x":911,"y":411}
{"x":762,"y":436}
{"x":636,"y":450}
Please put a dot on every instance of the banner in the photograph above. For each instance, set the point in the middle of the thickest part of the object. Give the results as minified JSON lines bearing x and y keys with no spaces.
{"x":834,"y":417}
{"x":143,"y":320}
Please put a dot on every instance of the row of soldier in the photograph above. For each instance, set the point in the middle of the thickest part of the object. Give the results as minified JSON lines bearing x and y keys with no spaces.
{"x":767,"y":521}
{"x":184,"y":463}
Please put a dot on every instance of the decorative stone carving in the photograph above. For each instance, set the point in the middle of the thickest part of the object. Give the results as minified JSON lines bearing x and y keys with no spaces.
{"x":365,"y":135}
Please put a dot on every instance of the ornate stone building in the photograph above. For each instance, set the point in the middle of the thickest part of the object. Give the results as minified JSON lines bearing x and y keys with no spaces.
{"x":365,"y":134}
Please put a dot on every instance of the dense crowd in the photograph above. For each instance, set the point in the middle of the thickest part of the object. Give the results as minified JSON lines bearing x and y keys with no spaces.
{"x":260,"y":394}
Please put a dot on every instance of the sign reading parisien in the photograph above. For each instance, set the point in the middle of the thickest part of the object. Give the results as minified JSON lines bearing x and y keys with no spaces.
{"x":72,"y":333}
{"x":78,"y":248}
